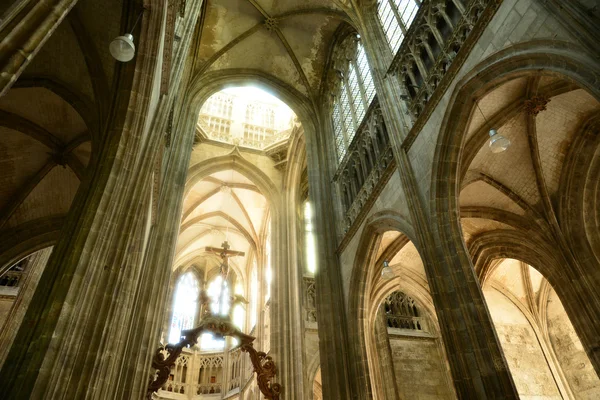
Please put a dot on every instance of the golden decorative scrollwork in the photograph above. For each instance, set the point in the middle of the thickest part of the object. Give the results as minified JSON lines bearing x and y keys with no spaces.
{"x":265,"y":371}
{"x":220,"y":325}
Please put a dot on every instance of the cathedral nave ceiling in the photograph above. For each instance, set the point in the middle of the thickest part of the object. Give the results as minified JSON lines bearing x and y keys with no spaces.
{"x":507,"y":190}
{"x":287,"y":40}
{"x":223,"y":206}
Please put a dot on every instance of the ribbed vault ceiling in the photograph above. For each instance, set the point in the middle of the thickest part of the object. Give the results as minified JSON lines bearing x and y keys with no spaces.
{"x":287,"y":39}
{"x":222,"y":206}
{"x":513,"y":183}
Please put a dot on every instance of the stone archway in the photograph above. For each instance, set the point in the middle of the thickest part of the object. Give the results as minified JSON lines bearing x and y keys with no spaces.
{"x":454,"y":153}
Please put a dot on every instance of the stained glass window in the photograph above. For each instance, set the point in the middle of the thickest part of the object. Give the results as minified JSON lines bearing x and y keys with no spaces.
{"x":220,"y":302}
{"x":395,"y":17}
{"x":268,"y":269}
{"x":356,"y":92}
{"x":185,"y":306}
{"x":309,"y":237}
{"x":253,"y":294}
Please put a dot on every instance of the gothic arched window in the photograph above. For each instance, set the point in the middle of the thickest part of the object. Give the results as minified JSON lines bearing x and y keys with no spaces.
{"x":402,"y":312}
{"x":220,"y":302}
{"x":309,"y":237}
{"x":395,"y":17}
{"x":354,"y":94}
{"x":268,"y":267}
{"x":185,"y":306}
{"x":253,"y":294}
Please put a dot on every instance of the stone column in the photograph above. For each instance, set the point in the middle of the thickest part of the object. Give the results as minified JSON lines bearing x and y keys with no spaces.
{"x":35,"y":266}
{"x":23,"y":36}
{"x":476,"y":359}
{"x":153,"y":297}
{"x":386,"y":358}
{"x":78,"y":331}
{"x":331,"y":306}
{"x":287,"y":331}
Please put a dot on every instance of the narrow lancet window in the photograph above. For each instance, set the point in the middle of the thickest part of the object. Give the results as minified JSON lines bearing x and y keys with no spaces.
{"x":354,"y":94}
{"x":185,"y":306}
{"x":395,"y":17}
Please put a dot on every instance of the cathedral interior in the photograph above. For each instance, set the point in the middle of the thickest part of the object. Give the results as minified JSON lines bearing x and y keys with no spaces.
{"x":300,"y":199}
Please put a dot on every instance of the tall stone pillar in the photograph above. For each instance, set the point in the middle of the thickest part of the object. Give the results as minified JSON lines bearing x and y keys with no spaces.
{"x":476,"y":360}
{"x":331,"y":308}
{"x":152,"y":299}
{"x":25,"y":33}
{"x":386,"y":360}
{"x":82,"y":328}
{"x":35,"y":267}
{"x":286,"y":305}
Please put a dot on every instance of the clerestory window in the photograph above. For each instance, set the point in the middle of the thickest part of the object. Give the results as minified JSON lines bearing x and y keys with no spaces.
{"x":395,"y":17}
{"x":185,"y":306}
{"x":309,"y":237}
{"x":354,"y":94}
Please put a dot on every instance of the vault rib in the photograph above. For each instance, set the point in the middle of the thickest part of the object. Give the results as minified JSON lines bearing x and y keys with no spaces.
{"x":246,"y":215}
{"x":25,"y":191}
{"x":294,"y":60}
{"x":230,"y":45}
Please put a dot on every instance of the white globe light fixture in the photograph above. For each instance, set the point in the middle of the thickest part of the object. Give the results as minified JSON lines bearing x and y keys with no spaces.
{"x":122,"y":48}
{"x":498,"y":143}
{"x":387,"y":272}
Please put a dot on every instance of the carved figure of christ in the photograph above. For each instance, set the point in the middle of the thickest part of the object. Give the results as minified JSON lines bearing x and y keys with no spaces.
{"x":225,"y":252}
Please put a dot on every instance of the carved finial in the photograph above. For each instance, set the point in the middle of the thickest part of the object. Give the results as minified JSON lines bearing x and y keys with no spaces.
{"x":536,"y":104}
{"x":271,"y":24}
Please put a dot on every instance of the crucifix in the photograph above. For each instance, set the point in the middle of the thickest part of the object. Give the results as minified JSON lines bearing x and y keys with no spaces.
{"x":217,"y":324}
{"x":225,"y":253}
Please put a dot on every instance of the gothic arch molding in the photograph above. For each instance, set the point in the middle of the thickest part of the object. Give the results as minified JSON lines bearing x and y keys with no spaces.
{"x":550,"y":56}
{"x":28,"y":238}
{"x":205,"y":85}
{"x":236,"y":162}
{"x":578,"y":208}
{"x":530,"y":249}
{"x":362,"y":272}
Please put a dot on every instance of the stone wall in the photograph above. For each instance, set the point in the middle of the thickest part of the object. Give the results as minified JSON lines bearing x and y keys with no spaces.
{"x":391,"y":198}
{"x":574,"y":362}
{"x":522,"y":351}
{"x":419,"y":369}
{"x":5,"y":306}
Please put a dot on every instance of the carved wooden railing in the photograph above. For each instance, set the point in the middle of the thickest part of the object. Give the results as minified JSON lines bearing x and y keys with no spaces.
{"x":365,"y":167}
{"x":166,"y":356}
{"x":429,"y":55}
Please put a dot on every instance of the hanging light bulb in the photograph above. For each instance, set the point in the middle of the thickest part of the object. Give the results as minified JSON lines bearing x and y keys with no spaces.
{"x":122,"y":48}
{"x":498,"y":143}
{"x":387,"y":272}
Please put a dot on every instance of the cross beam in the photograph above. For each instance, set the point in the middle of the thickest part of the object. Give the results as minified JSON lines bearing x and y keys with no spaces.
{"x":224,"y":251}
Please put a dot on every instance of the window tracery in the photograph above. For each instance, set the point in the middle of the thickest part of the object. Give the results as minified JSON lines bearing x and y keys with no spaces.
{"x":220,"y":302}
{"x":401,"y":312}
{"x":253,"y":294}
{"x":309,"y":237}
{"x":395,"y":17}
{"x":246,"y":116}
{"x":185,"y":306}
{"x":353,"y":94}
